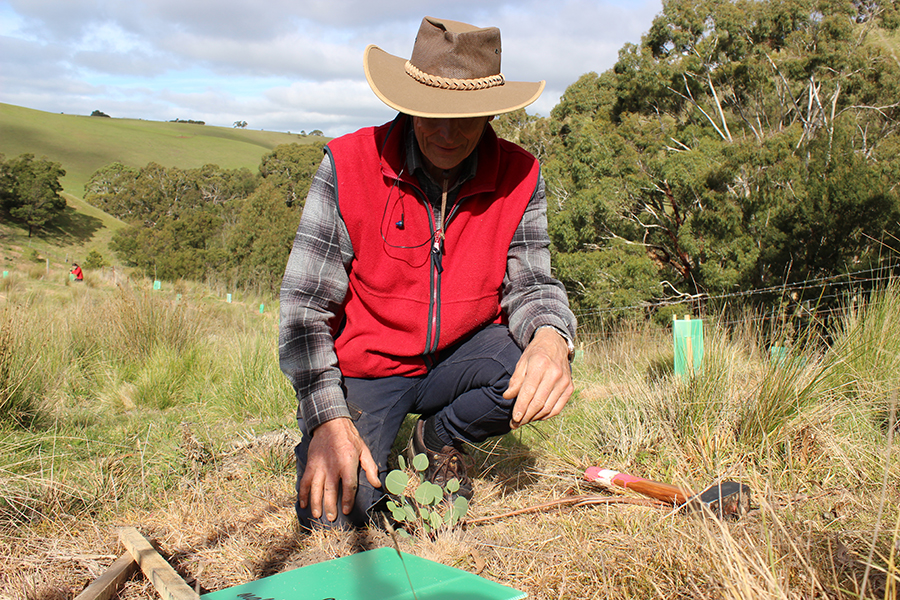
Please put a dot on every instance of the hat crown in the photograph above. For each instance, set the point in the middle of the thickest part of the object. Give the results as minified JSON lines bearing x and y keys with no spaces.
{"x":456,"y":50}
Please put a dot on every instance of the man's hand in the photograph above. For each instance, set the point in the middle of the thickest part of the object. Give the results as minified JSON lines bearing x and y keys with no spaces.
{"x":542,"y":381}
{"x":336,"y":452}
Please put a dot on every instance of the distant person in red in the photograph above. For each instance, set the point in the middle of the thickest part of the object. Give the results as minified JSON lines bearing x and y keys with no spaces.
{"x":77,"y":272}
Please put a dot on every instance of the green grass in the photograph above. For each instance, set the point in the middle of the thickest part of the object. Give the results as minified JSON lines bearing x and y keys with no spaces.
{"x":116,"y":378}
{"x":84,"y":144}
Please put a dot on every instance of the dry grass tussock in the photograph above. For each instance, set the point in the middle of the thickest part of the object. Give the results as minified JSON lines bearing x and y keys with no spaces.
{"x":212,"y":483}
{"x":234,"y":522}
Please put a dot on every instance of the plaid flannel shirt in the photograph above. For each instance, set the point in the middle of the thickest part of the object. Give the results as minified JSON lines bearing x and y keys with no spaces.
{"x":316,"y":281}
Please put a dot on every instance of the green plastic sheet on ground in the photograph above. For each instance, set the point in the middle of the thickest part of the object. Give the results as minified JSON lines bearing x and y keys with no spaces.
{"x":373,"y":575}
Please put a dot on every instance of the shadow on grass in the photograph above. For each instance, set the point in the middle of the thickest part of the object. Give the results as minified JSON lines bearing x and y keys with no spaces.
{"x":506,"y":460}
{"x":660,"y":369}
{"x":71,"y":227}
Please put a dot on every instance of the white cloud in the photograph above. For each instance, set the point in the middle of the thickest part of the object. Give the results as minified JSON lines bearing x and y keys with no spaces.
{"x":284,"y":64}
{"x":286,"y":56}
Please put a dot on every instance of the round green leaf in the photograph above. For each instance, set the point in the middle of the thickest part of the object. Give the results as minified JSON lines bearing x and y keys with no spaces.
{"x":398,"y":513}
{"x":423,"y":493}
{"x":453,"y":485}
{"x":460,"y":507}
{"x":420,"y":462}
{"x":396,"y":482}
{"x":436,"y":493}
{"x":401,"y":462}
{"x":410,"y":512}
{"x":436,"y":520}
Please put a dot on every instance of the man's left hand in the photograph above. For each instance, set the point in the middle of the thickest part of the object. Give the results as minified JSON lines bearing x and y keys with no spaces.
{"x":542,"y":381}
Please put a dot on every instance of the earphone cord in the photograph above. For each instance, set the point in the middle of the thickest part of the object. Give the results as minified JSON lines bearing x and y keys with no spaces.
{"x":396,"y":184}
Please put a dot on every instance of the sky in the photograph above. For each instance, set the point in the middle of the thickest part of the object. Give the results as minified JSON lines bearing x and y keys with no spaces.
{"x":279,"y":65}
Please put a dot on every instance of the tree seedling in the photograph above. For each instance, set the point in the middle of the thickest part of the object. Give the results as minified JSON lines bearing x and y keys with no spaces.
{"x":421,"y":503}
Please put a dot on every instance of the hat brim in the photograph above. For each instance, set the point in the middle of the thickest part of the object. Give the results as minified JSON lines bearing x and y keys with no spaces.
{"x":387,"y":77}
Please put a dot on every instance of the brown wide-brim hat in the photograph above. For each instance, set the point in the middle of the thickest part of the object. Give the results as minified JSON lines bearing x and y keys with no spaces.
{"x":454,"y":72}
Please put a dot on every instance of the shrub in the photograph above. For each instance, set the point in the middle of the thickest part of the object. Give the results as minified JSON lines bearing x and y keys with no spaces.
{"x":421,"y":504}
{"x":95,"y":260}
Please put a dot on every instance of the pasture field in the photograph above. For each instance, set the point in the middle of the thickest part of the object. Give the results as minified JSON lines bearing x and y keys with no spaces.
{"x":165,"y":410}
{"x":83,"y":144}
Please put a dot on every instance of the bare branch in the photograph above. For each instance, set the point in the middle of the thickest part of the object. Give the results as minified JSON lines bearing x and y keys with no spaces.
{"x":700,"y":108}
{"x":719,"y":106}
{"x":680,"y":144}
{"x":787,"y":87}
{"x":878,"y":109}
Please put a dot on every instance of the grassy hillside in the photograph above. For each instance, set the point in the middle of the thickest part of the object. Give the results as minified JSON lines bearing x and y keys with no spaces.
{"x":80,"y":229}
{"x":84,"y":144}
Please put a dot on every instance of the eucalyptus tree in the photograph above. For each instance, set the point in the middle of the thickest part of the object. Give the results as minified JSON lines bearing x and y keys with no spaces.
{"x":30,"y":190}
{"x":741,"y":143}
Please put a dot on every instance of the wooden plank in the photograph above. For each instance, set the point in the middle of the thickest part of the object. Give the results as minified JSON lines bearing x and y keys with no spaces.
{"x":106,"y":586}
{"x":167,"y":582}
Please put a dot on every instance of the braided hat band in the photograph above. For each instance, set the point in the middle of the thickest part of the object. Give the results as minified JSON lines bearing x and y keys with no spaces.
{"x":452,"y":83}
{"x":453,"y":72}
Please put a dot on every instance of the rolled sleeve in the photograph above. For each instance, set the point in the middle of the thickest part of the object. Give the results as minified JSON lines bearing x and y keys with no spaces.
{"x":532,"y":297}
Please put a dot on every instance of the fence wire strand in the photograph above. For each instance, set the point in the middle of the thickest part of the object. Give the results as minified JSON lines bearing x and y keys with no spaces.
{"x":829,"y":290}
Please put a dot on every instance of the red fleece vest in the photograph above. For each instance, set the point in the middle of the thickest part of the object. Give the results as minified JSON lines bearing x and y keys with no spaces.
{"x":400,"y":312}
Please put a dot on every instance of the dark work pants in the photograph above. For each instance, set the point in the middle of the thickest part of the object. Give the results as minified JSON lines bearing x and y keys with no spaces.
{"x":463,"y":393}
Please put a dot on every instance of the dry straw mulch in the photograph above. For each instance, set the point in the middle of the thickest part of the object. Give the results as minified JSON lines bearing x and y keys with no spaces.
{"x":233,"y":523}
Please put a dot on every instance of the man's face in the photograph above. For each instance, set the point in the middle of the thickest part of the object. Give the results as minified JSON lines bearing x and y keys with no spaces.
{"x":446,"y":143}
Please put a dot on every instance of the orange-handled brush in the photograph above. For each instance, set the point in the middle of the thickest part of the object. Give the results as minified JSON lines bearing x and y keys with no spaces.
{"x":663,"y":492}
{"x":727,"y":498}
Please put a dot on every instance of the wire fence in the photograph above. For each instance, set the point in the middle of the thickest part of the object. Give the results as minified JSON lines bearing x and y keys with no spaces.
{"x":821,"y":299}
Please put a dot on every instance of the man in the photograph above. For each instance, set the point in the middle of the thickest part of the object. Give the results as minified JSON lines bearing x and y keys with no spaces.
{"x":419,"y":281}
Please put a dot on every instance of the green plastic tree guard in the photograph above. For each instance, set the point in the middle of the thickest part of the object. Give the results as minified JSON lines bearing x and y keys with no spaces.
{"x":688,"y":335}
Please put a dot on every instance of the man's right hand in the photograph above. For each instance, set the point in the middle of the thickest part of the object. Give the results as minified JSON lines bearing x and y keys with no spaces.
{"x":336,"y":452}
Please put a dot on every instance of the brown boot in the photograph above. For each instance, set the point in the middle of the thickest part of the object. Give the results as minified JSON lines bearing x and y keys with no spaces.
{"x":442,"y":466}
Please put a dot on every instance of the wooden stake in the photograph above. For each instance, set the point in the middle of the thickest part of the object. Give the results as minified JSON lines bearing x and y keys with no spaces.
{"x":106,"y":586}
{"x":167,"y":582}
{"x":689,"y":354}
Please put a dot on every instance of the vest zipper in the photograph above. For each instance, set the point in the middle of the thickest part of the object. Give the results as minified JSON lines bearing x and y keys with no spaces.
{"x":437,"y":267}
{"x":437,"y":252}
